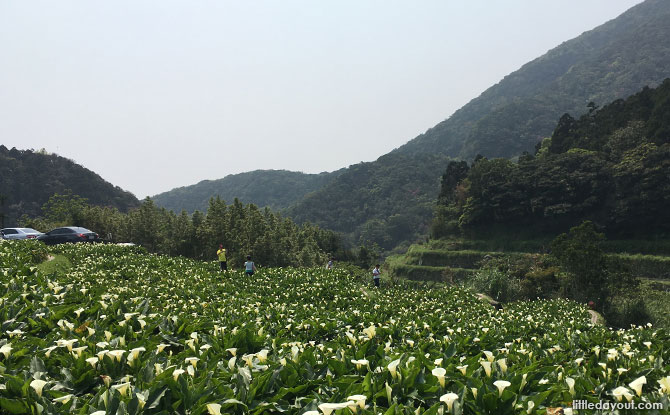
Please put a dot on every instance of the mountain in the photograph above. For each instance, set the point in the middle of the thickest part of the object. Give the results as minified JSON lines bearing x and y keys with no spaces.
{"x":609,"y":62}
{"x":386,"y":202}
{"x":277,"y":189}
{"x":28,"y":179}
{"x":613,"y":61}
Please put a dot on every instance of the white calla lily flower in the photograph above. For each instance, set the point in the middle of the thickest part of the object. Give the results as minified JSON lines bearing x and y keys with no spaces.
{"x":393,"y":368}
{"x":214,"y":408}
{"x":501,"y":385}
{"x":123,"y":388}
{"x":328,"y":408}
{"x":665,"y":384}
{"x":92,"y":361}
{"x":439,"y":373}
{"x":38,"y":385}
{"x":449,"y":399}
{"x":462,"y":369}
{"x":63,"y":399}
{"x":359,"y":399}
{"x":622,"y":392}
{"x":637,"y":384}
{"x":487,"y":368}
{"x":571,"y":385}
{"x":262,"y":355}
{"x":502,"y":364}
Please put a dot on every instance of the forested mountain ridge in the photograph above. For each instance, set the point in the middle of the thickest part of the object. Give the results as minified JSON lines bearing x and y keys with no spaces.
{"x":609,"y":62}
{"x":277,"y":189}
{"x":611,"y":166}
{"x":612,"y":61}
{"x":28,"y":179}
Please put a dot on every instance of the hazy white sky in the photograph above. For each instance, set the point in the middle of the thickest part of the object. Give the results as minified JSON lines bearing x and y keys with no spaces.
{"x":158,"y":94}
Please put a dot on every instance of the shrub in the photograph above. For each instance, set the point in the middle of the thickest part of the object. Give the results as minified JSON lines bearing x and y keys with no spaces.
{"x":627,"y":309}
{"x":497,"y":284}
{"x":539,"y":283}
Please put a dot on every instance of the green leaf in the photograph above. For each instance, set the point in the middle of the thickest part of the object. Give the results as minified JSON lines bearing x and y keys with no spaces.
{"x":155,"y":397}
{"x":13,"y":406}
{"x":37,"y":365}
{"x":451,"y":350}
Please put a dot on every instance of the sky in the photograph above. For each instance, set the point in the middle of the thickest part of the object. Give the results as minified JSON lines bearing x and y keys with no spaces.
{"x":153,"y":95}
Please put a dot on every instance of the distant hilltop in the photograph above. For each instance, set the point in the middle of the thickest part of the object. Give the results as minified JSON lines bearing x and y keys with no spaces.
{"x":29,"y":178}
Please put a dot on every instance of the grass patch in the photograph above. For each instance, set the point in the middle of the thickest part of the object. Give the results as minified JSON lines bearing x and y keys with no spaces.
{"x":58,"y":265}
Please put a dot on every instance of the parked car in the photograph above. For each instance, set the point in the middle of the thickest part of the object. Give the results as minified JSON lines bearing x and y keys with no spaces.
{"x":68,"y":234}
{"x":19,"y":233}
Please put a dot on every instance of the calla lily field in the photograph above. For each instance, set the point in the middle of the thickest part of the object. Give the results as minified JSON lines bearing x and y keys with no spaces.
{"x":121,"y":331}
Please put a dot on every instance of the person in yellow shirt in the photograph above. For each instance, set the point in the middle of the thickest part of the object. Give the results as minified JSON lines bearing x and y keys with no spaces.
{"x":221,"y":253}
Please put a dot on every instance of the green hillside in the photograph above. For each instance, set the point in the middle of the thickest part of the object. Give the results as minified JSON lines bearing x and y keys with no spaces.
{"x":611,"y":166}
{"x":609,"y":62}
{"x":276,"y":189}
{"x":28,"y":179}
{"x":386,"y":202}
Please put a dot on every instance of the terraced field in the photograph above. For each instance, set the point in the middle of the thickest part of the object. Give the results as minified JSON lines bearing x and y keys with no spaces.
{"x":439,"y":260}
{"x":112,"y":330}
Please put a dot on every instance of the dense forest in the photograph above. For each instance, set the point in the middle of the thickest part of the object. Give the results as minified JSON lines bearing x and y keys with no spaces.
{"x":277,"y":189}
{"x":609,"y":62}
{"x":29,"y":178}
{"x":611,"y":166}
{"x":242,"y":229}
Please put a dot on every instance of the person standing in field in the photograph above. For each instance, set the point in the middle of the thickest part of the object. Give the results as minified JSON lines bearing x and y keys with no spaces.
{"x":249,"y":267}
{"x":221,"y":253}
{"x":375,"y":275}
{"x":330,"y":264}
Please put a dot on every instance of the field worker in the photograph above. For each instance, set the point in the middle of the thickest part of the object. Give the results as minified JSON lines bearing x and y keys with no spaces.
{"x":330,"y":264}
{"x":375,"y":275}
{"x":221,"y":253}
{"x":249,"y":267}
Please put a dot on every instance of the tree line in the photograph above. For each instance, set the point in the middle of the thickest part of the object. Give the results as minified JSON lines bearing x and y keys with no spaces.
{"x":242,"y":229}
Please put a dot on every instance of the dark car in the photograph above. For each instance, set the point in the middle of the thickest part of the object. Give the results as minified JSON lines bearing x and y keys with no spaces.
{"x":68,"y":234}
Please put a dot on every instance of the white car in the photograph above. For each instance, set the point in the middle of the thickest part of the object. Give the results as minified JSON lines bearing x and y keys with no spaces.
{"x":19,"y":233}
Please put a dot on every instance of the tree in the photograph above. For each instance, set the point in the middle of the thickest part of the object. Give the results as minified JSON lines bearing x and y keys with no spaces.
{"x":65,"y":209}
{"x":455,"y":173}
{"x":581,"y":257}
